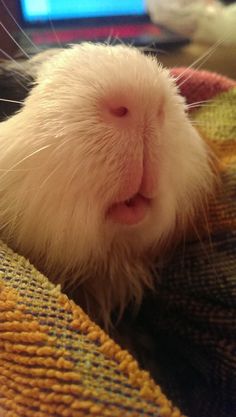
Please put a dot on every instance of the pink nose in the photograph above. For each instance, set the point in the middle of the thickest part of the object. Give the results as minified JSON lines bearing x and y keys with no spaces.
{"x":119,"y":111}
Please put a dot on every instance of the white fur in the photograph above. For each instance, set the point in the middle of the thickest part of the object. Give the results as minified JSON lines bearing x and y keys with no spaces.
{"x":64,"y":158}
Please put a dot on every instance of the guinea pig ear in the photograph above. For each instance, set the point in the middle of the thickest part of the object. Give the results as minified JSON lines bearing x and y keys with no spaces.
{"x":15,"y":84}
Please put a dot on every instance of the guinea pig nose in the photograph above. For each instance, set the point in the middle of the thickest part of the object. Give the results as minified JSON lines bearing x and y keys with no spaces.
{"x":119,"y":111}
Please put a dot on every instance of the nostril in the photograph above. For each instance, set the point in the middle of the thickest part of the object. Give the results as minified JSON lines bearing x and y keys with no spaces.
{"x":119,"y":111}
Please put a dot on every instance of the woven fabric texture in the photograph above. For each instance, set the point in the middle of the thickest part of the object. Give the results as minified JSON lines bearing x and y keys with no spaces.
{"x":54,"y":362}
{"x":193,"y":316}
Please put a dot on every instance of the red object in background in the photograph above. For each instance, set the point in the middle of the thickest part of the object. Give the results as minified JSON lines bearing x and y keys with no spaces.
{"x":103,"y":32}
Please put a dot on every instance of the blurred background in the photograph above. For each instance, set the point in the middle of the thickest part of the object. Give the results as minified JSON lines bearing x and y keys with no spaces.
{"x":202,"y":22}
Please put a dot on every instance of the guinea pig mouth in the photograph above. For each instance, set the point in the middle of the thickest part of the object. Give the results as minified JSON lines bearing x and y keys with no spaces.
{"x":129,"y":212}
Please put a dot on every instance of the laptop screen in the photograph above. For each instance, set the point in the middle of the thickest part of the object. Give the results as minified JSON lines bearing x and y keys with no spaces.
{"x":43,"y":10}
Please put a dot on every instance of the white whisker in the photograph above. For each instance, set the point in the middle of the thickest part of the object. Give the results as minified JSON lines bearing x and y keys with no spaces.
{"x":108,"y":41}
{"x":19,"y":27}
{"x":200,"y":103}
{"x":7,"y":223}
{"x":18,"y":72}
{"x":61,"y":144}
{"x":10,"y":58}
{"x":201,"y":60}
{"x":15,"y":42}
{"x":25,"y":158}
{"x":49,"y":176}
{"x":11,"y":101}
{"x":15,"y":170}
{"x":194,"y":106}
{"x":16,"y":63}
{"x":55,"y":33}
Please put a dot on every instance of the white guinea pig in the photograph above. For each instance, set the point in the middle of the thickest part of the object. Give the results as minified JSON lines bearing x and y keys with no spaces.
{"x":98,"y":170}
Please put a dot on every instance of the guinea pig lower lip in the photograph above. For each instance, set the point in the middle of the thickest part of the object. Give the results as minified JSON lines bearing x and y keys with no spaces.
{"x":129,"y":212}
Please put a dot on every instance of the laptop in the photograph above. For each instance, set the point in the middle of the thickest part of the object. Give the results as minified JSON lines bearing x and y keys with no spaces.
{"x":53,"y":23}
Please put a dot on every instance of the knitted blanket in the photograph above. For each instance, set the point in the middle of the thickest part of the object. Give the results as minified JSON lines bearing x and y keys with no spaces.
{"x":193,"y":316}
{"x":54,"y":362}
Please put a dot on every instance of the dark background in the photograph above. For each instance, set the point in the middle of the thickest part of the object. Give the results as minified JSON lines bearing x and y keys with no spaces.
{"x":222,"y":61}
{"x":5,"y":42}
